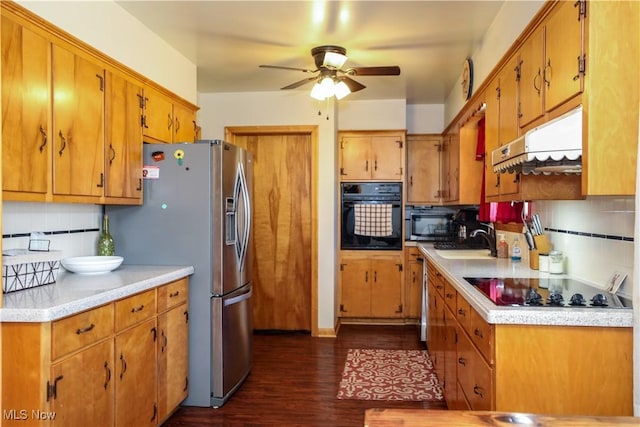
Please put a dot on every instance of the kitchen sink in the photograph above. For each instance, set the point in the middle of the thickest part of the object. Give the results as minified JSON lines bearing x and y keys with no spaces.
{"x":464,"y":253}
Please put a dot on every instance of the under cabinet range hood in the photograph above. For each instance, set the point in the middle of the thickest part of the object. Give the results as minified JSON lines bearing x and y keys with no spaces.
{"x":552,"y":148}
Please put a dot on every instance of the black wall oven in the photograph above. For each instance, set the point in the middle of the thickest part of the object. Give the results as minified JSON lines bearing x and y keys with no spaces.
{"x":371,"y":216}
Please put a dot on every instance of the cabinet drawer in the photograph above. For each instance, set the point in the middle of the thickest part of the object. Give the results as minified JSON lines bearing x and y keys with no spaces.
{"x":482,"y":335}
{"x":134,"y":309}
{"x":481,"y":393}
{"x":434,"y":276}
{"x":463,"y":313}
{"x":450,"y":296}
{"x":80,"y":330}
{"x":172,"y":294}
{"x":413,"y":254}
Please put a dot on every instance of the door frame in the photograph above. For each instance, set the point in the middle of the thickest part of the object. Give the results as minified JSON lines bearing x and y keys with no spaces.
{"x":230,"y":133}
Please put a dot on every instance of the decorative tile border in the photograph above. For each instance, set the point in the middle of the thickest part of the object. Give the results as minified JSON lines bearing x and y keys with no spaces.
{"x":594,"y":235}
{"x":52,"y":233}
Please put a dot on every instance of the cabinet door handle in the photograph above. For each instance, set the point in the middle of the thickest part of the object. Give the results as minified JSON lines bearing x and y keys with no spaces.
{"x":177,"y":124}
{"x":87,"y":329}
{"x":478,"y":390}
{"x":547,"y":73}
{"x":44,"y":138}
{"x":375,"y":165}
{"x":164,"y":341}
{"x":186,"y":384}
{"x":449,"y":295}
{"x":375,"y":277}
{"x":477,"y":332}
{"x":169,"y":122}
{"x":137,"y":309}
{"x":123,"y":366}
{"x":108,"y":373}
{"x":536,"y":82}
{"x":113,"y":154}
{"x":462,"y":361}
{"x":154,"y":331}
{"x":101,"y":183}
{"x":461,"y":312}
{"x":139,"y":185}
{"x":155,"y":412}
{"x":366,"y":276}
{"x":174,"y":294}
{"x":64,"y":143}
{"x":186,"y":316}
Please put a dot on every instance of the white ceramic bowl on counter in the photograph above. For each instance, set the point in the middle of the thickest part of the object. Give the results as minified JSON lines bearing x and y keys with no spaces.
{"x":91,"y":264}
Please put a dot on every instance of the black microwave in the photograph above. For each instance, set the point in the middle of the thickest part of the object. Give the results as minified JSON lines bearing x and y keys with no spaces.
{"x":425,"y":225}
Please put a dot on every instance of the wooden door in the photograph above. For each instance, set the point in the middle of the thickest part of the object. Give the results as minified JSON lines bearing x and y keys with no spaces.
{"x":564,"y":48}
{"x":85,"y":387}
{"x":355,"y":284}
{"x":124,"y":138}
{"x":26,"y":133}
{"x":509,"y":128}
{"x":173,"y":368}
{"x":184,"y":124}
{"x":491,"y":137}
{"x":136,"y":376}
{"x":423,"y":168}
{"x":282,"y":228}
{"x":355,"y":158}
{"x":452,"y":149}
{"x":78,"y":118}
{"x":386,"y":287}
{"x":531,"y":83}
{"x":158,"y":117}
{"x":387,"y":157}
{"x":413,"y":289}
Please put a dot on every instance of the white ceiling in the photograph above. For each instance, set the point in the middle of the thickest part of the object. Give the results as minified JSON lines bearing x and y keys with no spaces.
{"x":227,"y":40}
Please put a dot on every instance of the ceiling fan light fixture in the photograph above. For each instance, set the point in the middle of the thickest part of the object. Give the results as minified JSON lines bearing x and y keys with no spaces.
{"x":341,"y":89}
{"x":334,"y":59}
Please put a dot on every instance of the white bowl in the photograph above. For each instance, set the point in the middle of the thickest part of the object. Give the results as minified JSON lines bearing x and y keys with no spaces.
{"x":91,"y":264}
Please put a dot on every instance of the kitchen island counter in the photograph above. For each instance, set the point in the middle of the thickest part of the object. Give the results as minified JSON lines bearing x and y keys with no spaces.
{"x":456,"y":269}
{"x":73,"y":293}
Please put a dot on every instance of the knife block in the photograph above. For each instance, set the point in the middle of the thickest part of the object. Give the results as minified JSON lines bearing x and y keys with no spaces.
{"x":543,"y":245}
{"x":534,"y":259}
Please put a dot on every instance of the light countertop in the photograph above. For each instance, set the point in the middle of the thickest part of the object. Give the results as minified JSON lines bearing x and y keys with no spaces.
{"x":73,"y":293}
{"x":456,"y":269}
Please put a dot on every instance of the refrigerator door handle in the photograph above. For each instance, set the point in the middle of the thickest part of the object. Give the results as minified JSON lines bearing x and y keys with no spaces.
{"x":239,"y":298}
{"x":241,"y":191}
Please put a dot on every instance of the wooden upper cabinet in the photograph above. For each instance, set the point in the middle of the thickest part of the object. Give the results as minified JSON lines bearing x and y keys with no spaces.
{"x":158,"y":116}
{"x":372,"y":156}
{"x":423,"y":169}
{"x":26,"y":113}
{"x":491,"y":136}
{"x":450,"y":180}
{"x":184,"y":124}
{"x":165,"y":120}
{"x":78,"y":118}
{"x":123,"y":143}
{"x":531,"y":66}
{"x":564,"y":53}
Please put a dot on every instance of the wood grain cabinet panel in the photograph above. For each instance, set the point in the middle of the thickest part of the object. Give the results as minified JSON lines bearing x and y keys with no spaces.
{"x":26,"y":109}
{"x":78,"y":117}
{"x":73,"y":333}
{"x":84,"y":385}
{"x":123,"y":144}
{"x":423,"y":169}
{"x":413,"y":283}
{"x":371,"y":287}
{"x":374,"y":155}
{"x":134,"y":309}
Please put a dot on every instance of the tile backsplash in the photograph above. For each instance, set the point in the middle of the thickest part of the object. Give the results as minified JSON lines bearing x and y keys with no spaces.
{"x":71,"y":228}
{"x":595,"y":235}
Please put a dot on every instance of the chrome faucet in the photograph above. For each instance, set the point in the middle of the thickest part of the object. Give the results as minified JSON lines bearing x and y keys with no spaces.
{"x":489,"y":237}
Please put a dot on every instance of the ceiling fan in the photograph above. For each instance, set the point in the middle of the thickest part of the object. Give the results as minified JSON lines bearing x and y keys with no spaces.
{"x":331,"y":79}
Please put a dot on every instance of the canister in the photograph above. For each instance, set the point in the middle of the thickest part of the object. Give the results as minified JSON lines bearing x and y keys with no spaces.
{"x":556,"y":262}
{"x":543,"y":263}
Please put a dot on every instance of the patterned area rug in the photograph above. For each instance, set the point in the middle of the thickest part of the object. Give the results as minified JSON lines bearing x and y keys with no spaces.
{"x":389,"y":375}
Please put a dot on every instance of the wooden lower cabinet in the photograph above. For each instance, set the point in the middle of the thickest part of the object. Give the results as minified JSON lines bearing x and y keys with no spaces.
{"x":413,"y":283}
{"x":556,"y":370}
{"x":371,"y":286}
{"x":121,"y":364}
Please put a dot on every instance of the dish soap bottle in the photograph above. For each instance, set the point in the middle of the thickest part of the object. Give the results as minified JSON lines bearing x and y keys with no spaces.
{"x":106,"y":247}
{"x":502,"y":247}
{"x":516,"y":254}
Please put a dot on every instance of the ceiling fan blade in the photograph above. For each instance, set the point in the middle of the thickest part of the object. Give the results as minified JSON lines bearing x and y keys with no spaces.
{"x":299,"y":83}
{"x":353,"y":85}
{"x":287,"y":68}
{"x":392,"y":70}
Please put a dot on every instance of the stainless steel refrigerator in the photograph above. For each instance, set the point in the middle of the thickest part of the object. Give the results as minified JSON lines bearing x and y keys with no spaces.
{"x":197,"y":211}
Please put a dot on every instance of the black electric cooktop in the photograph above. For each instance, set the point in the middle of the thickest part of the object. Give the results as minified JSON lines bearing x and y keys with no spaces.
{"x":546,"y":292}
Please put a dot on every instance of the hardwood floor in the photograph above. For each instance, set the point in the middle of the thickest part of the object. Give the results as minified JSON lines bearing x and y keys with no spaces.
{"x":294,"y":381}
